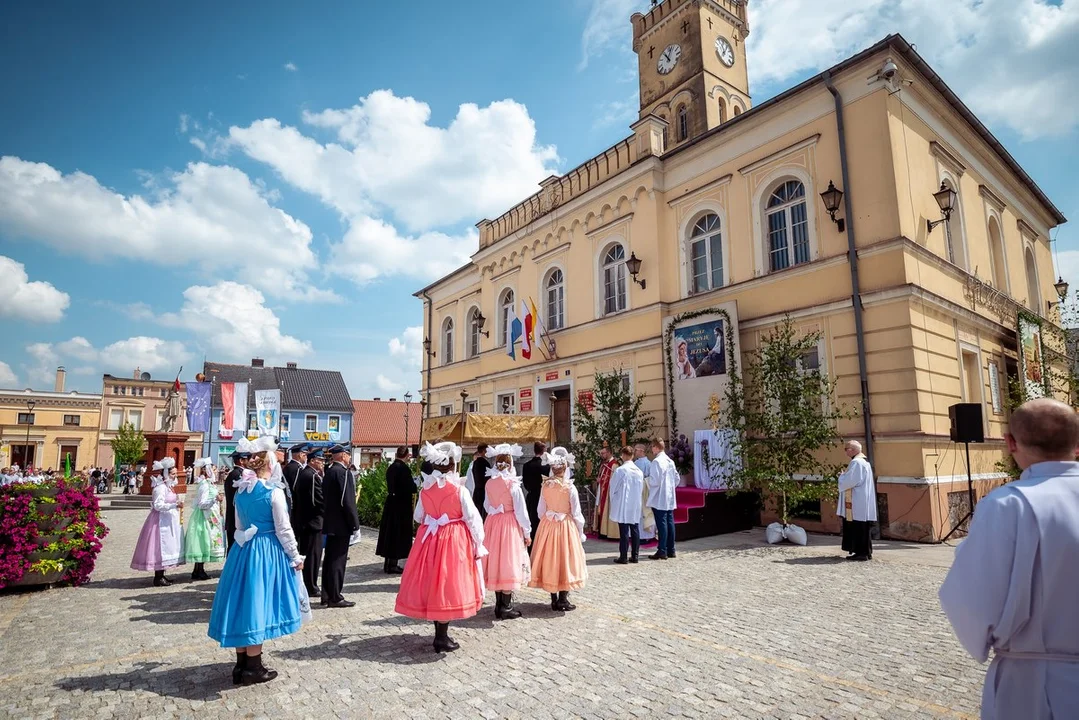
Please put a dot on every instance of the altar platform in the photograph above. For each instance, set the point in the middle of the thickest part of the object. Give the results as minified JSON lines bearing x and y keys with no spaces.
{"x":704,"y":513}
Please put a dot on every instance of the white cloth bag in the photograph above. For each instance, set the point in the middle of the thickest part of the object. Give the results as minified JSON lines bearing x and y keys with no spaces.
{"x":306,"y":615}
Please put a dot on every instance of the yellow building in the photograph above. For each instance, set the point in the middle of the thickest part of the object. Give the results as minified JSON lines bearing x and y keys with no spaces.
{"x":140,"y":401}
{"x":41,"y":429}
{"x":720,"y":202}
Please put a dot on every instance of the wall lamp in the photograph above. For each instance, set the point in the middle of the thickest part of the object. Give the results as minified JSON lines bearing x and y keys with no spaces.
{"x":1061,"y":286}
{"x":480,"y":322}
{"x":427,"y":347}
{"x":832,"y":197}
{"x":634,"y":267}
{"x":945,"y":198}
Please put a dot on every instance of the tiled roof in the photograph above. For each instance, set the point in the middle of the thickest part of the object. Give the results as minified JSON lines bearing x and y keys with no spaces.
{"x":381,"y":423}
{"x":301,"y":388}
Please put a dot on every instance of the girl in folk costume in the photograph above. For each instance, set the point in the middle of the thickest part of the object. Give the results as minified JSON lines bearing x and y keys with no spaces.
{"x":203,"y":538}
{"x":258,"y":596}
{"x":443,"y":580}
{"x":558,"y":563}
{"x":160,"y":544}
{"x":507,"y":532}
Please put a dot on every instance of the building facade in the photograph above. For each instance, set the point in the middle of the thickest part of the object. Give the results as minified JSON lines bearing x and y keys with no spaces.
{"x":717,"y":204}
{"x":140,"y":401}
{"x":42,"y":429}
{"x":315,"y":405}
{"x":380,"y":426}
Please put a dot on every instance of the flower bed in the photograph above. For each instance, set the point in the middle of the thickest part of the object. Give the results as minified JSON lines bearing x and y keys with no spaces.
{"x":49,"y":533}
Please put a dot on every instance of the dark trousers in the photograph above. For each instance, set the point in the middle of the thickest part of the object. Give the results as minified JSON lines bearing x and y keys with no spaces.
{"x":857,"y":537}
{"x":627,"y":533}
{"x":310,"y":542}
{"x":665,"y":531}
{"x":532,"y":505}
{"x":333,"y":567}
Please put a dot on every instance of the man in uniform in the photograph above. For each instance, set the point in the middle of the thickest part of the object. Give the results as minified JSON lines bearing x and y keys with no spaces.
{"x":339,"y":521}
{"x":291,"y":470}
{"x":532,"y":478}
{"x":239,"y":462}
{"x":307,"y":510}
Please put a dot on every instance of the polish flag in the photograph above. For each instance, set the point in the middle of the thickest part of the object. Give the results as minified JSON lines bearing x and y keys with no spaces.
{"x":233,"y":408}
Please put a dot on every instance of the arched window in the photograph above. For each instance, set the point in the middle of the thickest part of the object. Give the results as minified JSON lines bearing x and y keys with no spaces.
{"x":788,"y":226}
{"x":953,"y":230}
{"x":1033,"y":294}
{"x":555,"y":288}
{"x":666,"y":132}
{"x":996,"y":251}
{"x":706,"y":254}
{"x":614,"y":280}
{"x":447,"y":341}
{"x":505,"y":312}
{"x":722,"y":111}
{"x":683,"y":123}
{"x":737,"y":111}
{"x":473,"y":333}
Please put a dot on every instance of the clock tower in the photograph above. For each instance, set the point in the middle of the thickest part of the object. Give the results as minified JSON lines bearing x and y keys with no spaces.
{"x":692,"y":64}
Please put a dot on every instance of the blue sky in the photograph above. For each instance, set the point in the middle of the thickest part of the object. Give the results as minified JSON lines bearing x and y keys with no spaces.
{"x":275,"y":179}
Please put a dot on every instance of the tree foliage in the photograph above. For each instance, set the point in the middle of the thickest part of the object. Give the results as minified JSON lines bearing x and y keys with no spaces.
{"x":615,"y":410}
{"x":784,"y":414}
{"x":129,"y":445}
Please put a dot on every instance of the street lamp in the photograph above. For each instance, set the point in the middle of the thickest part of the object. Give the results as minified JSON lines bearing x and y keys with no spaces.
{"x":945,"y":198}
{"x":480,"y":322}
{"x":832,"y":197}
{"x":29,"y":421}
{"x":408,"y":399}
{"x":634,"y":267}
{"x":1061,"y":286}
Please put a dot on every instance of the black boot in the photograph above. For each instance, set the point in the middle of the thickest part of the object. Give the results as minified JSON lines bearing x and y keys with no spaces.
{"x":498,"y":605}
{"x":160,"y":580}
{"x":563,"y":602}
{"x":443,"y":641}
{"x":255,"y":672}
{"x":508,"y":611}
{"x":238,"y":671}
{"x":554,"y":601}
{"x":199,"y":573}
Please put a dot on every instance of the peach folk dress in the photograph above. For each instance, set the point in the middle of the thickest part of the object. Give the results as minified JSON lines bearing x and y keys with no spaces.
{"x":506,"y":567}
{"x":442,"y":579}
{"x":558,"y":562}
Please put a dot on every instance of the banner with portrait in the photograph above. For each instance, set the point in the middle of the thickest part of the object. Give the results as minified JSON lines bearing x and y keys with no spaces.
{"x":1031,"y":357}
{"x":700,"y":346}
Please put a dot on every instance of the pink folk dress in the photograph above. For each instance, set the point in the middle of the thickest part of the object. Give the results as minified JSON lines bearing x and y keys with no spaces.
{"x":506,"y":566}
{"x":160,"y":545}
{"x":442,"y":579}
{"x":558,"y":563}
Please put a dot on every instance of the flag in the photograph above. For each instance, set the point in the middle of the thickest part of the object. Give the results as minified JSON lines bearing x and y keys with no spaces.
{"x":527,"y":338}
{"x":513,"y":333}
{"x":233,"y":409}
{"x":67,"y":466}
{"x":198,"y":406}
{"x":176,"y":384}
{"x":268,"y":411}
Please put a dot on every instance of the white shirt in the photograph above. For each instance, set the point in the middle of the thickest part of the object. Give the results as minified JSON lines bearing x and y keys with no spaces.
{"x":1013,"y":588}
{"x":858,"y":478}
{"x":662,"y":480}
{"x":627,"y":487}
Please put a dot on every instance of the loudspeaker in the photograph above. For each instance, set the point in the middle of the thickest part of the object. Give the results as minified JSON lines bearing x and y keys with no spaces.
{"x":966,"y":423}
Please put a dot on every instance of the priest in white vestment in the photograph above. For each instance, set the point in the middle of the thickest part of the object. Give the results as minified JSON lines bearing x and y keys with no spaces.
{"x":1014,"y":584}
{"x":857,"y":504}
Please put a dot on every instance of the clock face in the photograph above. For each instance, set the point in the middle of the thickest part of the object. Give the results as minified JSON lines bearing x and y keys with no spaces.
{"x":669,"y":58}
{"x":724,"y":51}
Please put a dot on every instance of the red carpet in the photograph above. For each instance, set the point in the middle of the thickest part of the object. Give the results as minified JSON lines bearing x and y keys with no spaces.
{"x":688,"y":497}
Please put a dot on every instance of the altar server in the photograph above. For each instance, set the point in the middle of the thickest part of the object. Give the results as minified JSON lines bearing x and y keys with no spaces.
{"x":648,"y":519}
{"x":339,"y":521}
{"x":258,"y":596}
{"x":558,"y":564}
{"x":507,"y":531}
{"x":160,"y":544}
{"x":203,"y":536}
{"x":443,"y":580}
{"x":662,"y":480}
{"x":857,"y":504}
{"x":1012,"y":587}
{"x":307,"y":512}
{"x":627,"y":487}
{"x":395,"y":529}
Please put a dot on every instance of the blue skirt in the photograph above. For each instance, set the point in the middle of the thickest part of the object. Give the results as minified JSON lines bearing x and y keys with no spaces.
{"x":257,"y":598}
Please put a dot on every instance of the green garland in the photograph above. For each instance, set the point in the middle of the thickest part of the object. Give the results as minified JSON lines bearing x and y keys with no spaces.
{"x":668,"y":335}
{"x":1040,"y":322}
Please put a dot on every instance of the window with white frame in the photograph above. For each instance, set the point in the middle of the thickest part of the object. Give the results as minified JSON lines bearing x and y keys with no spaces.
{"x":556,"y":299}
{"x":706,"y":254}
{"x":473,"y":332}
{"x":310,"y":423}
{"x":953,"y":230}
{"x":1033,"y":294}
{"x":506,"y":404}
{"x":135,"y":418}
{"x":994,"y":387}
{"x":285,"y":419}
{"x":447,"y":410}
{"x":116,"y":419}
{"x":614,"y":280}
{"x":788,"y":226}
{"x":996,"y":251}
{"x":972,"y":376}
{"x":505,"y":315}
{"x":473,"y":406}
{"x":447,"y":341}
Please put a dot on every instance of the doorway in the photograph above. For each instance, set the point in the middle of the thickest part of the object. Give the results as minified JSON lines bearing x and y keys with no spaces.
{"x":71,"y":451}
{"x":562,"y":413}
{"x":189,"y":458}
{"x":22,"y":455}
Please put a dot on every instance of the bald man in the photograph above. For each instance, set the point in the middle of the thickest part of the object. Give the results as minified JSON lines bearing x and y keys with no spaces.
{"x":1014,"y":585}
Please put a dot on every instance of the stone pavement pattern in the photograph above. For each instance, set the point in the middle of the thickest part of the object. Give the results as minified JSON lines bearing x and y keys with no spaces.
{"x":730,"y":629}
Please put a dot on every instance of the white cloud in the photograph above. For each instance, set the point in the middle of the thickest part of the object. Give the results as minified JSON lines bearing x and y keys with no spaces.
{"x":184,"y":119}
{"x":7,"y":376}
{"x":291,"y":67}
{"x":149,"y":354}
{"x":384,"y":384}
{"x":407,"y":349}
{"x":234,"y":323}
{"x":607,"y":28}
{"x":372,"y":248}
{"x":21,"y":299}
{"x":210,"y":215}
{"x":616,"y":112}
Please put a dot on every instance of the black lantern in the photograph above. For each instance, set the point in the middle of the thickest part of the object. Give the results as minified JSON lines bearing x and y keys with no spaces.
{"x":634,"y":267}
{"x":832,"y":197}
{"x":480,"y":321}
{"x":945,"y":198}
{"x":1061,"y":287}
{"x":427,"y":346}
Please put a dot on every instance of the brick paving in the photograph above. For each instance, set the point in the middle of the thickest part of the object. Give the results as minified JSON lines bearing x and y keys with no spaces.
{"x":730,"y":629}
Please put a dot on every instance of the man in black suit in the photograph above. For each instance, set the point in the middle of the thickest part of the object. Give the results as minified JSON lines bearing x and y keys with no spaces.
{"x":478,"y":469}
{"x":339,"y":521}
{"x":307,"y":512}
{"x":292,"y":469}
{"x":239,"y":462}
{"x":395,"y":530}
{"x":532,"y":478}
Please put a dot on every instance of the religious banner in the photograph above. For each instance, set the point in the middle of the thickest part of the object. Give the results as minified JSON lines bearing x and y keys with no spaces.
{"x":198,"y":406}
{"x":334,"y":427}
{"x":699,"y":350}
{"x":268,"y":411}
{"x":1031,"y":357}
{"x":233,"y":409}
{"x":701,"y":347}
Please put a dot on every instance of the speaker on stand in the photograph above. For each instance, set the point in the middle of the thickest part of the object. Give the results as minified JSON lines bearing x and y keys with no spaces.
{"x":966,"y":427}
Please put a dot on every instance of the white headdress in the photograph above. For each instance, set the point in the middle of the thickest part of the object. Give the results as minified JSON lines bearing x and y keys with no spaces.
{"x":203,"y":462}
{"x":506,"y":449}
{"x":441,"y":454}
{"x":558,"y":457}
{"x":263,"y":445}
{"x":164,"y":465}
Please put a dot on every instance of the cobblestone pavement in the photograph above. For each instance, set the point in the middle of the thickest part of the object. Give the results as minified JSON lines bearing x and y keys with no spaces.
{"x":730,"y":629}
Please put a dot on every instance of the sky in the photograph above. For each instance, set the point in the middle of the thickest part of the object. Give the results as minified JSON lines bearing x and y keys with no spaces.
{"x":225,"y":181}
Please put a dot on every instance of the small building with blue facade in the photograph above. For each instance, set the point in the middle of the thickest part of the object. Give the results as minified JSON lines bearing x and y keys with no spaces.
{"x":315,"y":405}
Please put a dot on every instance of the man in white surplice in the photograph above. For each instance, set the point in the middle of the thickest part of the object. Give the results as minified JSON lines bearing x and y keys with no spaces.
{"x":627,"y":495}
{"x":1013,"y":585}
{"x":857,"y":504}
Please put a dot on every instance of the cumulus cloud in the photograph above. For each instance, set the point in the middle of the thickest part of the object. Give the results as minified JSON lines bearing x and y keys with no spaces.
{"x":208,"y":215}
{"x":119,"y":358}
{"x":371,"y":247}
{"x":291,"y":67}
{"x":21,"y":299}
{"x":7,"y":376}
{"x":384,"y":384}
{"x":407,"y":349}
{"x":607,"y":28}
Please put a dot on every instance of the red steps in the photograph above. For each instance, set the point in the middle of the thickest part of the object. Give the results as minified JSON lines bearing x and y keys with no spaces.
{"x":686,"y":498}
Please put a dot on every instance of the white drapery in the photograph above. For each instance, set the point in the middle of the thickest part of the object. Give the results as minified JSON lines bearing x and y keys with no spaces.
{"x":710,"y":446}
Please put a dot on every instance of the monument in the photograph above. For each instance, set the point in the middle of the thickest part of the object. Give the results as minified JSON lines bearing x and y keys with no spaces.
{"x":166,"y":441}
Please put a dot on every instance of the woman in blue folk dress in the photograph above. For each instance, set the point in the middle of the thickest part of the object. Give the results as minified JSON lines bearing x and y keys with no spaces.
{"x":257,"y":597}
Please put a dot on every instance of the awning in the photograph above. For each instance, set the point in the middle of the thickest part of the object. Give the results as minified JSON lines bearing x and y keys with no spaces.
{"x":487,"y":428}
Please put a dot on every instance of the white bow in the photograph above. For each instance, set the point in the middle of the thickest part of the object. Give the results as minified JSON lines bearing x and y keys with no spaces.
{"x":498,"y":510}
{"x":557,"y":517}
{"x":433,"y":524}
{"x":242,"y":537}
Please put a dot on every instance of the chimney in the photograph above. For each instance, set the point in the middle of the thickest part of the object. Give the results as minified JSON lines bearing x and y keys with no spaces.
{"x":393,"y":399}
{"x":377,"y":399}
{"x":290,"y":366}
{"x":257,"y":363}
{"x":61,"y":375}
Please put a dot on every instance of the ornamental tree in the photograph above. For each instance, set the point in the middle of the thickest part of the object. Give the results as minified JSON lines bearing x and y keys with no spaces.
{"x":614,"y":411}
{"x":129,"y":445}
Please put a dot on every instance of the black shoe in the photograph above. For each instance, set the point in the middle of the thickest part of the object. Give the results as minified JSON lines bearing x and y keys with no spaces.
{"x":860,"y":558}
{"x":563,"y":602}
{"x":255,"y":673}
{"x":160,"y":581}
{"x":554,"y":602}
{"x":342,"y":603}
{"x":671,"y":556}
{"x":395,"y":570}
{"x":621,"y":561}
{"x":238,"y":670}
{"x":506,"y":611}
{"x":443,"y":641}
{"x":657,"y":556}
{"x":200,"y":575}
{"x":633,"y":560}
